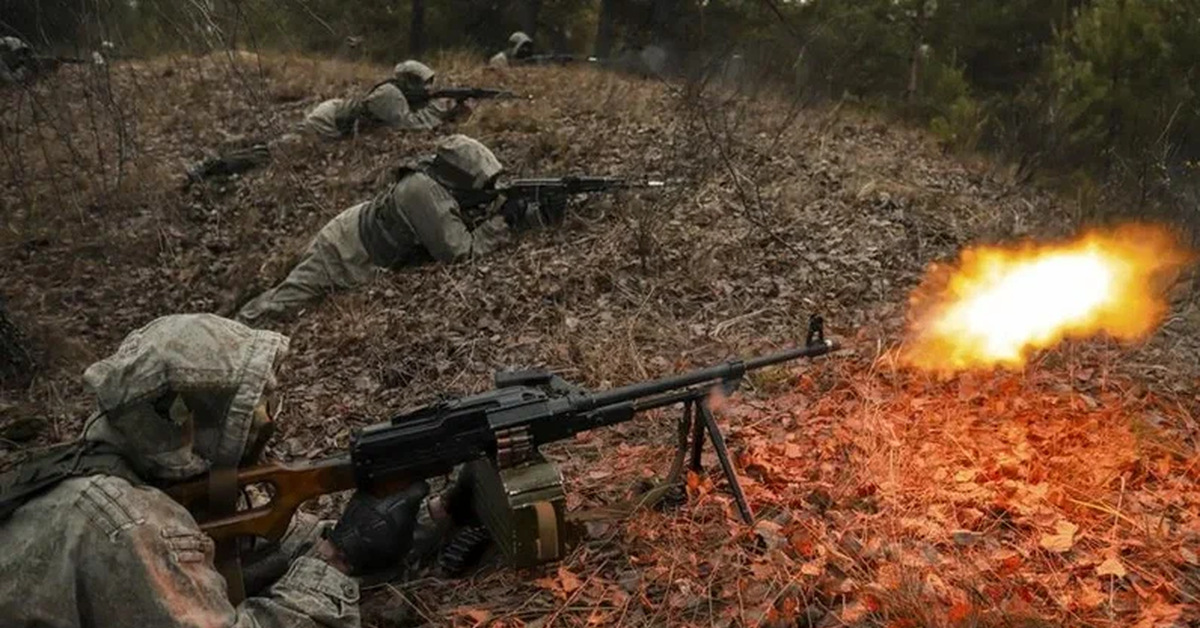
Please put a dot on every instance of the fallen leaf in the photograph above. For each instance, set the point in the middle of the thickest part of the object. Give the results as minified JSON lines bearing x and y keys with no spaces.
{"x":813,"y":568}
{"x":854,"y":612}
{"x":1111,"y":567}
{"x":965,"y":537}
{"x":959,"y":612}
{"x":1188,"y":556}
{"x":1063,"y":538}
{"x":1159,"y":615}
{"x":1090,"y":598}
{"x":570,"y":582}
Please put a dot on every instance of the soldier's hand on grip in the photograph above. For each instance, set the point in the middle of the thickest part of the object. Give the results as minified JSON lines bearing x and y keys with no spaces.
{"x":374,"y":532}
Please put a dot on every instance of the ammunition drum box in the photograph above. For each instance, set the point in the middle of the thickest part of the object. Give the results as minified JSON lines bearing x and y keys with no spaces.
{"x":523,"y":508}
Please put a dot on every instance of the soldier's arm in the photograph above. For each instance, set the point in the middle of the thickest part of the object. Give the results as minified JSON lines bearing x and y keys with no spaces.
{"x":167,"y":579}
{"x":436,"y":219}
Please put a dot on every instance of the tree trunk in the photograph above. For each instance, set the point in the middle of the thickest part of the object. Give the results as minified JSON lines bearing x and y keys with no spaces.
{"x":666,"y":16}
{"x":16,"y":364}
{"x":918,"y":53}
{"x":606,"y":28}
{"x":416,"y":29}
{"x":529,"y":17}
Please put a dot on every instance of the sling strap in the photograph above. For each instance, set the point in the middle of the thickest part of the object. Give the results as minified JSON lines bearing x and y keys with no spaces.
{"x":34,"y":477}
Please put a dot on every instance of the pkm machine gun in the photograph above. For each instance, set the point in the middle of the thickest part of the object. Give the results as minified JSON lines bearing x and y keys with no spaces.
{"x":499,"y":431}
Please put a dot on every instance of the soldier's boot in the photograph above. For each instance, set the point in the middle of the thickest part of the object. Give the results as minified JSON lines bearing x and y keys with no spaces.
{"x":230,"y":163}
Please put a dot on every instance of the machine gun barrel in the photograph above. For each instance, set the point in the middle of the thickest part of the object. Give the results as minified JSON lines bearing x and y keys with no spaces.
{"x":731,"y":370}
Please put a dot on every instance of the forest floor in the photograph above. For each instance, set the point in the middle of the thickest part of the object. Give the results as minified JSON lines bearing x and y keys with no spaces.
{"x":1064,"y":493}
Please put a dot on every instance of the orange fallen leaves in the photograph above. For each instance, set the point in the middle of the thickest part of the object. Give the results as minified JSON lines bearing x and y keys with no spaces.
{"x":1063,"y":538}
{"x":1111,"y":567}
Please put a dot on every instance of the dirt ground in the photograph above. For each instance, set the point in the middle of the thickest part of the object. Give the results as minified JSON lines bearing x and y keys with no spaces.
{"x":1063,"y":494}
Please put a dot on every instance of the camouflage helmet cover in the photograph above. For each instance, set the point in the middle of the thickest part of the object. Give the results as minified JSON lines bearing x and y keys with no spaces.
{"x":412,"y":73}
{"x":465,"y":162}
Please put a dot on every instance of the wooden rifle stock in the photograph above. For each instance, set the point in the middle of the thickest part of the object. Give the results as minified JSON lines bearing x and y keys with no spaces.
{"x":290,"y":486}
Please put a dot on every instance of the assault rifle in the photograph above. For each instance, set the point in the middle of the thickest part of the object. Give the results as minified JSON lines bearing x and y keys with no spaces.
{"x":53,"y":61}
{"x":558,"y":188}
{"x":503,"y":427}
{"x":550,"y":194}
{"x":419,"y":98}
{"x":554,"y":59}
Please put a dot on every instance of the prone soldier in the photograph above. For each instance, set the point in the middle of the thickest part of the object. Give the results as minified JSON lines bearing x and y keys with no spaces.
{"x":520,"y":47}
{"x":186,"y":397}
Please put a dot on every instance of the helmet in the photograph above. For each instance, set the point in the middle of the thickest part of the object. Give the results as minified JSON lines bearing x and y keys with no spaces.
{"x":413,"y":74}
{"x":461,"y":162}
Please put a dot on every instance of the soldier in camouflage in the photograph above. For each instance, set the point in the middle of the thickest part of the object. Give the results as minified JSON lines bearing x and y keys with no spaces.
{"x":97,"y":544}
{"x":520,"y":46}
{"x":425,"y":215}
{"x":386,"y":106}
{"x":15,"y":60}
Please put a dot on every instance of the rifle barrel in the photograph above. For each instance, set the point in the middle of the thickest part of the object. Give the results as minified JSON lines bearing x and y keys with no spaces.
{"x":732,"y":369}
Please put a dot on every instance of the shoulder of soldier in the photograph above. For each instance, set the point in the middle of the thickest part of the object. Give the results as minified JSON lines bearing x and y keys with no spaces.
{"x":113,"y":506}
{"x":386,"y":87}
{"x":415,"y":189}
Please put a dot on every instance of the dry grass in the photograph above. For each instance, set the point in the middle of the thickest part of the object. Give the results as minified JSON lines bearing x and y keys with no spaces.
{"x":854,"y":469}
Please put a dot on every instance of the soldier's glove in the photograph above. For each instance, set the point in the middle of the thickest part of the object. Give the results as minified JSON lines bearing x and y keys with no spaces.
{"x":375,"y":533}
{"x":457,"y":499}
{"x":520,"y":214}
{"x":462,"y":111}
{"x":552,"y":207}
{"x":525,"y":213}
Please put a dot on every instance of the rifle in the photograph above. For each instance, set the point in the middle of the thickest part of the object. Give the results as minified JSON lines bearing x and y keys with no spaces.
{"x":504,"y":426}
{"x":419,"y":98}
{"x":46,"y":63}
{"x":554,"y":59}
{"x":543,"y":188}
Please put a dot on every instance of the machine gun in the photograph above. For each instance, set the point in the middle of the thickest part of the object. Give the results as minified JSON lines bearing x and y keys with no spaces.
{"x":500,"y":430}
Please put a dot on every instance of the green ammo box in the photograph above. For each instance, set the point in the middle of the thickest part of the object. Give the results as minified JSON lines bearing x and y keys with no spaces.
{"x":523,"y":508}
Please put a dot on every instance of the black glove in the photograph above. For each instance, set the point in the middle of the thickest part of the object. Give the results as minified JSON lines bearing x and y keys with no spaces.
{"x":519,"y":214}
{"x":375,"y":533}
{"x":525,"y":213}
{"x":458,"y":498}
{"x":552,"y":207}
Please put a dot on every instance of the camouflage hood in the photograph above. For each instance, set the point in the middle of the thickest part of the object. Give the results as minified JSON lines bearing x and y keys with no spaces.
{"x":463,"y":163}
{"x":179,"y":394}
{"x":14,"y":44}
{"x":413,"y":74}
{"x":519,"y":45}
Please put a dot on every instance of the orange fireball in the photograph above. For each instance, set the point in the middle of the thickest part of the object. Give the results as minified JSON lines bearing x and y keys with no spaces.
{"x":999,"y":303}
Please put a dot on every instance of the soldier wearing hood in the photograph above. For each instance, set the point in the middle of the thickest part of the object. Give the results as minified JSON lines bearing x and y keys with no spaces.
{"x":520,"y":46}
{"x":90,"y":539}
{"x":16,"y":60}
{"x":386,"y":106}
{"x":424,"y":215}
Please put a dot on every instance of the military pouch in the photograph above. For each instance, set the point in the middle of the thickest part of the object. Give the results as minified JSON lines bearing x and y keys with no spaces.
{"x":523,"y":507}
